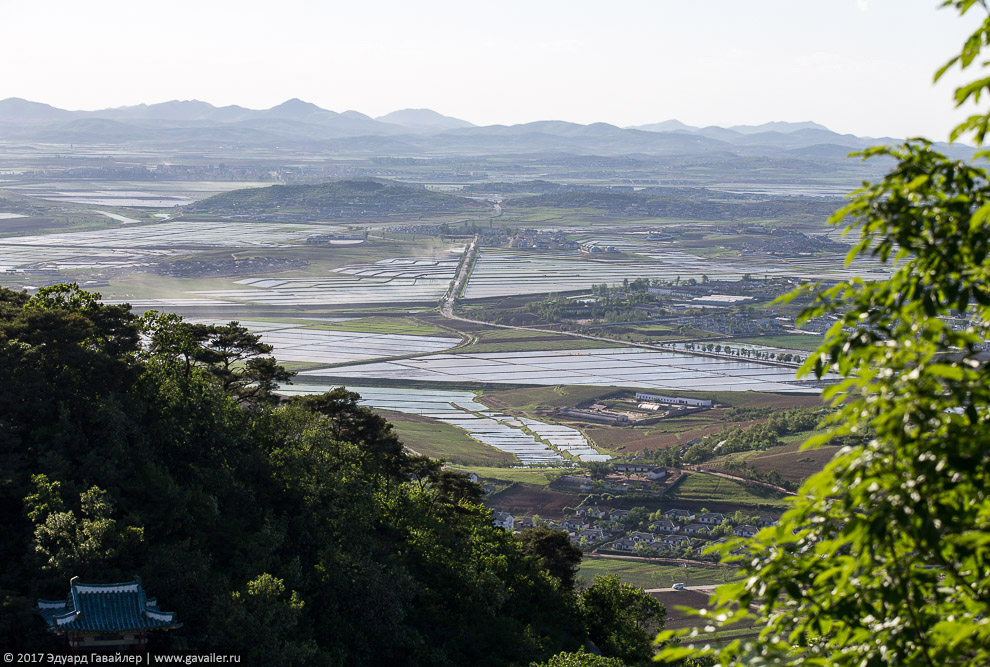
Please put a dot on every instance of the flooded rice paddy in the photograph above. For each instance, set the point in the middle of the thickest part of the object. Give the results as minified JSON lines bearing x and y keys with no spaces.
{"x":506,"y":273}
{"x":611,"y":367}
{"x":399,"y":279}
{"x":531,"y":441}
{"x":307,"y":344}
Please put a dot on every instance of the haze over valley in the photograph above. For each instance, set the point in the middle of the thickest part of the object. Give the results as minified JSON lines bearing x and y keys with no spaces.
{"x":412,"y":368}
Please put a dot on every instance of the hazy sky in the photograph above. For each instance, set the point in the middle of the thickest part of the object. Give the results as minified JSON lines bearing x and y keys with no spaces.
{"x":860,"y":66}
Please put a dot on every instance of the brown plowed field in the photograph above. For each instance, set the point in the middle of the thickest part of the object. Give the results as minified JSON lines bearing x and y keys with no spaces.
{"x":522,"y":499}
{"x":676,"y":618}
{"x":661,"y":435}
{"x":792,"y":463}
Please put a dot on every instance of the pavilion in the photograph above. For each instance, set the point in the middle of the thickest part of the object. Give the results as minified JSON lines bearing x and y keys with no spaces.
{"x":106,"y":617}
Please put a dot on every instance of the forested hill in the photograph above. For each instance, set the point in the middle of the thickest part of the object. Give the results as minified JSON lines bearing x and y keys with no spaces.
{"x":287,"y":533}
{"x":698,"y":204}
{"x":335,"y":199}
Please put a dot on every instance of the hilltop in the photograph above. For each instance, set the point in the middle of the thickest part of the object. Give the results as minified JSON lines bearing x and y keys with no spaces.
{"x":335,"y":199}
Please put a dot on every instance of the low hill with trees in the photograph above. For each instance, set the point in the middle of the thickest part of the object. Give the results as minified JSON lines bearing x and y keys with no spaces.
{"x":335,"y":199}
{"x":696,"y":204}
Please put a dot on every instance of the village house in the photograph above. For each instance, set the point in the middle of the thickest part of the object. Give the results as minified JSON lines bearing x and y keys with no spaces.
{"x":712,"y":519}
{"x":624,"y":544}
{"x":618,"y":515}
{"x":504,"y":520}
{"x":697,"y":529}
{"x":574,"y":524}
{"x":677,"y":515}
{"x":746,"y":531}
{"x":592,"y":534}
{"x":675,"y":540}
{"x":664,"y":526}
{"x":763,"y":521}
{"x":525,"y":523}
{"x":593,"y":512}
{"x":641,"y":537}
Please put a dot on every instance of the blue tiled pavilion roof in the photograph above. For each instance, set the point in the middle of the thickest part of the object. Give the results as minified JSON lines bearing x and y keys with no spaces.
{"x":105,"y":608}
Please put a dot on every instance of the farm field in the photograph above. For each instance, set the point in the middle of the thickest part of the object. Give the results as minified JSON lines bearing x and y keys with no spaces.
{"x":528,"y":476}
{"x":179,"y":234}
{"x":617,"y":367}
{"x":656,"y":575}
{"x":677,"y":431}
{"x":697,"y":489}
{"x":407,"y":326}
{"x":521,"y":340}
{"x":505,"y":272}
{"x":142,"y":194}
{"x":443,"y":441}
{"x":314,"y":343}
{"x":543,"y":397}
{"x":793,"y":463}
{"x":530,"y":441}
{"x":395,"y":280}
{"x":525,"y":499}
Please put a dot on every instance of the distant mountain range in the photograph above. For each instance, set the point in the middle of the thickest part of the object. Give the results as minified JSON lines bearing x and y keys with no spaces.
{"x":295,"y":124}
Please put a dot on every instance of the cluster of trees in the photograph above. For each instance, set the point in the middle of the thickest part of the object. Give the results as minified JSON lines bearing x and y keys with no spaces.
{"x":288,"y":532}
{"x":747,"y":352}
{"x":764,"y":435}
{"x":605,"y":309}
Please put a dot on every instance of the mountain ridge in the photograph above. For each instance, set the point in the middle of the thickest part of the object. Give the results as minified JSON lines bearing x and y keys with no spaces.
{"x":297,"y":124}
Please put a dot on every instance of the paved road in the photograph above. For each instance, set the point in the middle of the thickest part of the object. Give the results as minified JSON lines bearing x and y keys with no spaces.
{"x":697,"y":589}
{"x":463,"y":272}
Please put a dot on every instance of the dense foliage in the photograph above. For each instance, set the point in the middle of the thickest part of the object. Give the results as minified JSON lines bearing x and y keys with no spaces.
{"x":883,"y":560}
{"x":297,"y":532}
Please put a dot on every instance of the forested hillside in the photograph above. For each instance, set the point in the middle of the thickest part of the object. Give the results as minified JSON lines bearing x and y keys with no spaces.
{"x":288,"y":533}
{"x":336,"y":199}
{"x":698,"y":205}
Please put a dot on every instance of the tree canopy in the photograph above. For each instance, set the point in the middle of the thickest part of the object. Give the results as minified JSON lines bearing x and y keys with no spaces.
{"x":291,"y":532}
{"x":883,"y":559}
